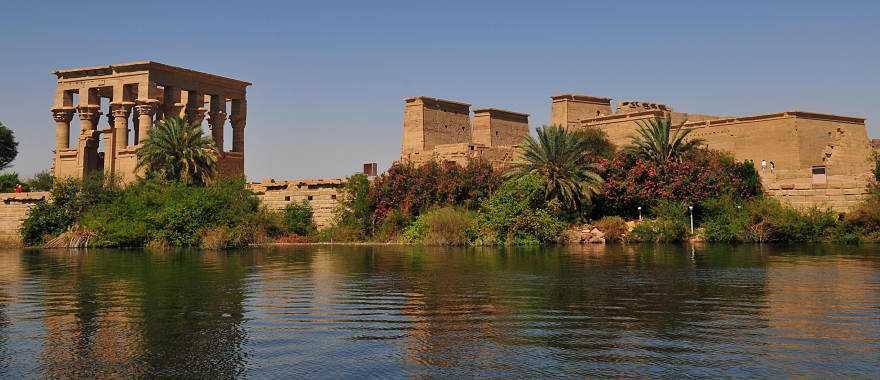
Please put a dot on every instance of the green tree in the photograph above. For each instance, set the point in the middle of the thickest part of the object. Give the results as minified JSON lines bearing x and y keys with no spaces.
{"x":557,"y":157}
{"x":660,"y":142}
{"x":178,"y":151}
{"x":8,"y":146}
{"x":42,"y":181}
{"x":298,"y":218}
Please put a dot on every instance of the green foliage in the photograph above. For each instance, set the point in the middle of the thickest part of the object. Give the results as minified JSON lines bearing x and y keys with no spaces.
{"x":42,"y":181}
{"x":413,"y":190}
{"x":153,"y":211}
{"x":670,"y":223}
{"x":8,"y":146}
{"x":69,"y":200}
{"x":178,"y":151}
{"x":298,"y":218}
{"x":659,"y":142}
{"x":596,"y":142}
{"x":8,"y":181}
{"x":877,"y":166}
{"x":558,"y":157}
{"x":517,"y":213}
{"x":353,"y":212}
{"x":614,"y":228}
{"x":724,"y":220}
{"x":632,"y":182}
{"x":768,"y":220}
{"x":177,"y":214}
{"x":450,"y":226}
{"x":866,"y":217}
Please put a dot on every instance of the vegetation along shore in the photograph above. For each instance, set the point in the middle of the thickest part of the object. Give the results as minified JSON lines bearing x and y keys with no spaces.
{"x":567,"y":187}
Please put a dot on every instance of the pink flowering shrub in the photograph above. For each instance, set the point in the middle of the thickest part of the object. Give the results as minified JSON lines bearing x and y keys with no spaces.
{"x":631,"y":182}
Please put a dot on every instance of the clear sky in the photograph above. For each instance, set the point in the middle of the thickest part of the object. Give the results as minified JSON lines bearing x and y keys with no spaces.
{"x":329,"y":77}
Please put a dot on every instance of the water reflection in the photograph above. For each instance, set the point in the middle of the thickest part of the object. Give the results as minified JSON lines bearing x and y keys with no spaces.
{"x":629,"y":311}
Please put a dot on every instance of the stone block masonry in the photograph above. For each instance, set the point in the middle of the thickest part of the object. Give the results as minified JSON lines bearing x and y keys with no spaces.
{"x":13,"y":209}
{"x":441,"y":130}
{"x":322,"y":195}
{"x":140,"y":94}
{"x":804,"y":158}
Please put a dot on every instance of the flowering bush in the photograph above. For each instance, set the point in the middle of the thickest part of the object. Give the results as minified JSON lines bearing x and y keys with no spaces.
{"x":631,"y":182}
{"x":413,"y":190}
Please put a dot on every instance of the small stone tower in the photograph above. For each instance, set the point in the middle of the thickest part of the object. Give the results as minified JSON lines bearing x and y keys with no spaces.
{"x":428,"y":122}
{"x":568,"y":110}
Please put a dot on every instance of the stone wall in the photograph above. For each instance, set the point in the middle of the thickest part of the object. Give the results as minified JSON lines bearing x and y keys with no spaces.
{"x":13,"y":209}
{"x":440,"y":130}
{"x":322,"y":195}
{"x":793,"y":144}
{"x":494,"y":127}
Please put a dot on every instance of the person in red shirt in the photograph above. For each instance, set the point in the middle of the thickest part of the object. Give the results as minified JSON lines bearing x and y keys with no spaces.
{"x":18,"y":188}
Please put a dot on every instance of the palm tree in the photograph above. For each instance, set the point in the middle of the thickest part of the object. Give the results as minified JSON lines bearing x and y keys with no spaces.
{"x":178,"y":151}
{"x":557,"y":157}
{"x":660,"y":142}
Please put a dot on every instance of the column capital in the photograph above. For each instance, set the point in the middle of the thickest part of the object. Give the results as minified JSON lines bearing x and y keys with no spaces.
{"x":89,"y":112}
{"x":237,"y":120}
{"x":122,"y":110}
{"x":216,"y":118}
{"x":147,"y":108}
{"x":63,"y":114}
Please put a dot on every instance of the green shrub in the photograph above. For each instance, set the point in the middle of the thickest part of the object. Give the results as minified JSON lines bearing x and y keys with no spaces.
{"x":69,"y":200}
{"x":353,"y":212}
{"x":866,"y":217}
{"x":341,"y":234}
{"x":452,"y":226}
{"x":42,"y":181}
{"x":614,"y":228}
{"x":517,"y":213}
{"x":393,"y":224}
{"x":298,"y":218}
{"x":724,"y":220}
{"x":8,"y":181}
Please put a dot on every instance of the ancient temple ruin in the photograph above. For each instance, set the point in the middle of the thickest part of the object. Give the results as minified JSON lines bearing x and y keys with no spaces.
{"x":137,"y":95}
{"x":442,"y":130}
{"x":804,"y":158}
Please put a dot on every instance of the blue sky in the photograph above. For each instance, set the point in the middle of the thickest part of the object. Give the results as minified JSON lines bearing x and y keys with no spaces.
{"x":330,"y":77}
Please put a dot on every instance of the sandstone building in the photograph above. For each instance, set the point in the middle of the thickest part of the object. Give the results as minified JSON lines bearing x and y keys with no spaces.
{"x":442,"y":130}
{"x":138,"y":95}
{"x":803,"y":158}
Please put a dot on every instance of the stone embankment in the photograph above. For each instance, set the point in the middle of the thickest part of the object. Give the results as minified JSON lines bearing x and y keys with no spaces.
{"x":584,"y":234}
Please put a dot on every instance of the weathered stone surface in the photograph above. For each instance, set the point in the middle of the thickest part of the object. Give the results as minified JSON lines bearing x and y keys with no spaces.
{"x":791,"y":144}
{"x":322,"y":195}
{"x":13,"y":209}
{"x":140,"y":93}
{"x":441,"y":130}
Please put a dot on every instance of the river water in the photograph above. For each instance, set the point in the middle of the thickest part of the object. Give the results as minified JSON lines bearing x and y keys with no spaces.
{"x":392,"y":312}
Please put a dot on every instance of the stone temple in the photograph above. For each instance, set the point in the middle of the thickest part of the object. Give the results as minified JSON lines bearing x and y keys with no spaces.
{"x":134,"y":96}
{"x":803,"y":158}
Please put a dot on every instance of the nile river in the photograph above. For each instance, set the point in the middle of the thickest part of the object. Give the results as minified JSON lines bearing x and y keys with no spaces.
{"x":392,"y":312}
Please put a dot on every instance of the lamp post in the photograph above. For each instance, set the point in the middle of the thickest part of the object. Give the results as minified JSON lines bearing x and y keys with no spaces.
{"x":691,"y":208}
{"x":640,"y":213}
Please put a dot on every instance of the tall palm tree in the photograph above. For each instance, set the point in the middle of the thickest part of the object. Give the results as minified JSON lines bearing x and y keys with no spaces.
{"x":178,"y":151}
{"x":557,"y":157}
{"x":658,"y":141}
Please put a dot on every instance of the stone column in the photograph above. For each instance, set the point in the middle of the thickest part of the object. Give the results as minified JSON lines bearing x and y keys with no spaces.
{"x":88,"y":118}
{"x":62,"y":117}
{"x":121,"y":112}
{"x":87,"y":149}
{"x":217,"y":120}
{"x":238,"y":120}
{"x":146,"y":109}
